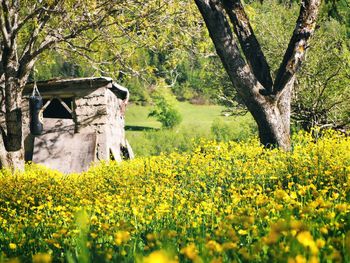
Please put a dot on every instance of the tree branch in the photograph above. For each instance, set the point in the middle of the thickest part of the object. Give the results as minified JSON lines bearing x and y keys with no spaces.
{"x":51,"y":39}
{"x":27,"y":18}
{"x":325,"y":86}
{"x":6,"y":16}
{"x":43,"y":15}
{"x":34,"y":36}
{"x":85,"y":48}
{"x":249,"y":44}
{"x":298,"y":44}
{"x":2,"y":94}
{"x":4,"y":32}
{"x":244,"y":81}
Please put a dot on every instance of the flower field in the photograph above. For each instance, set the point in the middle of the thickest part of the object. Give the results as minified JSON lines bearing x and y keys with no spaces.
{"x":223,"y":202}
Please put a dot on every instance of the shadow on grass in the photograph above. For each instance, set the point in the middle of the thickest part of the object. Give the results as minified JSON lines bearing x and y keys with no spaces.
{"x":140,"y":128}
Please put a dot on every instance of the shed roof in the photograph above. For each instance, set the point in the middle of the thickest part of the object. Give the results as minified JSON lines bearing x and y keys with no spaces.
{"x":72,"y":86}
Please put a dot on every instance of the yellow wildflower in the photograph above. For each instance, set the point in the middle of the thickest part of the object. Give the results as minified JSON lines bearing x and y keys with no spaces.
{"x":190,"y":251}
{"x":42,"y":258}
{"x":300,"y":259}
{"x":12,"y":246}
{"x":306,"y":239}
{"x":214,"y":246}
{"x":158,"y":257}
{"x":121,"y":237}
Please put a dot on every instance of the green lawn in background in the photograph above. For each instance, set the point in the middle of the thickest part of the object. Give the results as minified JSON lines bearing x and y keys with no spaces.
{"x":201,"y":116}
{"x":147,"y":138}
{"x":137,"y":115}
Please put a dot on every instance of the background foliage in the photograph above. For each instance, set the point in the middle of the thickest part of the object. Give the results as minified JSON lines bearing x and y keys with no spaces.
{"x":168,"y":44}
{"x":164,"y":109}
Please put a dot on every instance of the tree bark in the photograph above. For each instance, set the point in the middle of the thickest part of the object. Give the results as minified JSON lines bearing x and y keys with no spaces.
{"x":295,"y":53}
{"x":12,"y":160}
{"x":263,"y":108}
{"x":11,"y":150}
{"x":268,"y":102}
{"x":250,"y":45}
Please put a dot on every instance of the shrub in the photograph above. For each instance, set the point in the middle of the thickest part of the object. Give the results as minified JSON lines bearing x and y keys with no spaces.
{"x":155,"y":142}
{"x":220,"y":130}
{"x":164,"y":110}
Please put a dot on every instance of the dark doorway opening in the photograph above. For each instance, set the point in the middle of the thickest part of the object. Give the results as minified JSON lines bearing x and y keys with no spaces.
{"x":56,"y":110}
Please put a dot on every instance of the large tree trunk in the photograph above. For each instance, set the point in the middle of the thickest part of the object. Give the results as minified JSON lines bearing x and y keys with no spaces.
{"x":272,"y":117}
{"x":275,"y":129}
{"x":12,"y":160}
{"x":13,"y":115}
{"x":11,"y":148}
{"x":269,"y":102}
{"x":262,"y":106}
{"x":272,"y":131}
{"x":12,"y":136}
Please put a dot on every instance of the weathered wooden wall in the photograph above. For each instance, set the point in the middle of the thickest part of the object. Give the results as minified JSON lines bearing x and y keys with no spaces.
{"x":115,"y":132}
{"x":96,"y":111}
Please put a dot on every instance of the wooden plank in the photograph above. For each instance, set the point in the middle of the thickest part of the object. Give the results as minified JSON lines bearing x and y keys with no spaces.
{"x":64,"y":105}
{"x":66,"y":152}
{"x":58,"y":125}
{"x":67,"y":87}
{"x":47,"y":104}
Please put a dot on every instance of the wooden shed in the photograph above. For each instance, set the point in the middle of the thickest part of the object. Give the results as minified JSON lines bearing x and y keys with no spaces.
{"x":83,"y":121}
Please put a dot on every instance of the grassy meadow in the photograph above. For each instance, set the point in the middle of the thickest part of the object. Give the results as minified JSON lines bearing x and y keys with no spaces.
{"x":198,"y":121}
{"x":220,"y":202}
{"x":204,"y":191}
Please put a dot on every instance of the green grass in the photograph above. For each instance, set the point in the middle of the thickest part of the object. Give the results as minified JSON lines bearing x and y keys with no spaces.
{"x":199,"y":116}
{"x":147,"y":138}
{"x":137,"y":115}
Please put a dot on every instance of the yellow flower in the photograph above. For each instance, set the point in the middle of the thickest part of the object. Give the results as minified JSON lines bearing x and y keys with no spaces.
{"x":300,"y":259}
{"x":324,"y":230}
{"x":243,"y":232}
{"x":42,"y":258}
{"x":93,"y":235}
{"x":57,"y":245}
{"x":121,"y":237}
{"x":229,"y":246}
{"x":296,"y":225}
{"x":320,"y":243}
{"x":214,"y":246}
{"x":190,"y":251}
{"x":55,"y":235}
{"x":271,"y":238}
{"x":314,"y":259}
{"x":223,"y":190}
{"x":12,"y":246}
{"x":293,"y":195}
{"x":158,"y":257}
{"x":306,"y":239}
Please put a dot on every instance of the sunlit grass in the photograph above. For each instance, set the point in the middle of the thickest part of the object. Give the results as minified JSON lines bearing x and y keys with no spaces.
{"x":146,"y":139}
